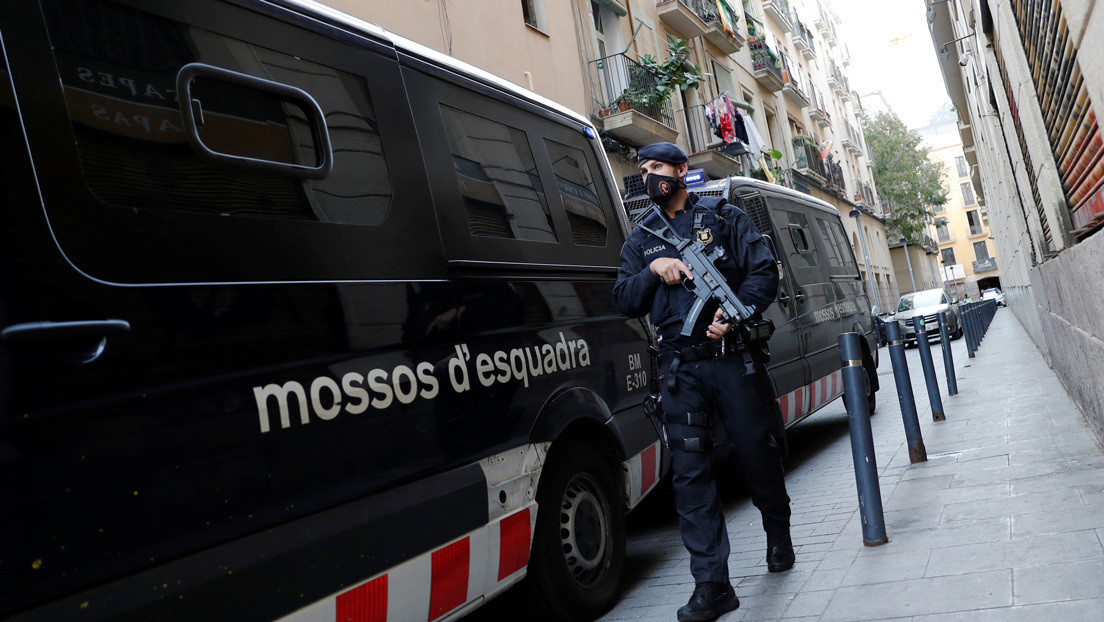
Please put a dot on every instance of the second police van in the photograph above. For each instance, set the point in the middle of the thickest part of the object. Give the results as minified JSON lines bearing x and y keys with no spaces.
{"x":820,"y":295}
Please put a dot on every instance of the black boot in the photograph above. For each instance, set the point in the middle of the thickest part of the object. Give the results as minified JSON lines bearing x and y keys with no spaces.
{"x":780,"y":553}
{"x":708,"y":602}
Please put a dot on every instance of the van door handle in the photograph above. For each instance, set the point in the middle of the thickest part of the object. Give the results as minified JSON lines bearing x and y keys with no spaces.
{"x":783,"y":298}
{"x":799,"y":297}
{"x":63,"y":331}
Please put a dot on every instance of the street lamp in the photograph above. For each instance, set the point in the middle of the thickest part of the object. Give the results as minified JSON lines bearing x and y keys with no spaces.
{"x":912,"y":277}
{"x":855,"y":213}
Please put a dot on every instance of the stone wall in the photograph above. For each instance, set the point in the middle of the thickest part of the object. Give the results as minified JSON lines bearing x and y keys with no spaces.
{"x":1068,"y":292}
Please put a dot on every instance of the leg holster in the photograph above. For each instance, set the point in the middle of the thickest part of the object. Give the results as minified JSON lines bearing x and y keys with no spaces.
{"x":699,"y":422}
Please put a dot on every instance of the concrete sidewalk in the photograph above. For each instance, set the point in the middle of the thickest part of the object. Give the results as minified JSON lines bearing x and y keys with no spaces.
{"x":1005,"y":521}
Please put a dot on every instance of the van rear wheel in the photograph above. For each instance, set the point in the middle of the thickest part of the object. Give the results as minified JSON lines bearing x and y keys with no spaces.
{"x":578,"y":555}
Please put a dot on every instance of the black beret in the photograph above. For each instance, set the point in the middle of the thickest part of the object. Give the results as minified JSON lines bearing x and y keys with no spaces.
{"x":664,"y":152}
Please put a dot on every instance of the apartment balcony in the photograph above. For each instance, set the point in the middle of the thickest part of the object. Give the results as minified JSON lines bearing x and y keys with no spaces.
{"x":779,"y":11}
{"x":807,"y":163}
{"x":708,"y":151}
{"x":724,"y":30}
{"x":825,"y":25}
{"x":627,"y":107}
{"x":867,"y":192}
{"x":850,"y":141}
{"x":792,"y":84}
{"x":803,"y":40}
{"x":985,"y":265}
{"x":818,"y":110}
{"x":766,"y":65}
{"x":685,"y":16}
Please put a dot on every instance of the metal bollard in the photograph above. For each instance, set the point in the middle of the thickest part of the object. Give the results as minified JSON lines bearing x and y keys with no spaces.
{"x":968,"y":323}
{"x":862,"y":442}
{"x":917,"y":451}
{"x":948,"y":358}
{"x":929,"y":369}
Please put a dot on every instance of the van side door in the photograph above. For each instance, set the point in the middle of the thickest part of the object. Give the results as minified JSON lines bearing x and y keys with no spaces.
{"x":787,"y":367}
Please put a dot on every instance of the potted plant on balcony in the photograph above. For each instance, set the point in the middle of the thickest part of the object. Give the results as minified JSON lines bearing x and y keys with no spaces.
{"x":675,"y":71}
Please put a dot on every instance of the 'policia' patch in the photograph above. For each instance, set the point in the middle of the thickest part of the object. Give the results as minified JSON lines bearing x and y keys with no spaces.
{"x":704,"y":236}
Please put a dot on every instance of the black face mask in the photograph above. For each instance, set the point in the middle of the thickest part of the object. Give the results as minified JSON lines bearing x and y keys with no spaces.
{"x":662,"y":187}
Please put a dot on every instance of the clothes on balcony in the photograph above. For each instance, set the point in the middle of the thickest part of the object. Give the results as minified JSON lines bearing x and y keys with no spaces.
{"x":755,"y":140}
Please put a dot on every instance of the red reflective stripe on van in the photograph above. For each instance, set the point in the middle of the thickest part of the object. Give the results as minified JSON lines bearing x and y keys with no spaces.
{"x":513,"y":538}
{"x":799,"y":402}
{"x":647,"y":468}
{"x":365,"y":603}
{"x":449,"y":583}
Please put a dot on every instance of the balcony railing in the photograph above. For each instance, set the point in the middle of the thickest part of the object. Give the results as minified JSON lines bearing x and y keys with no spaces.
{"x":792,"y":82}
{"x":724,"y":29}
{"x":766,"y":65}
{"x":780,"y":11}
{"x":867,"y":192}
{"x":624,"y":85}
{"x":709,"y":151}
{"x":818,"y":109}
{"x":803,"y":39}
{"x":824,"y":23}
{"x":805,"y":160}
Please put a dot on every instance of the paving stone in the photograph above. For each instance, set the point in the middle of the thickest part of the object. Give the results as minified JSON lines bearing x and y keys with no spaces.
{"x":1010,"y":506}
{"x":1065,"y":519}
{"x":921,"y":596}
{"x":895,"y":566}
{"x":1067,"y":581}
{"x":1066,"y":611}
{"x":1016,"y":553}
{"x":808,"y":603}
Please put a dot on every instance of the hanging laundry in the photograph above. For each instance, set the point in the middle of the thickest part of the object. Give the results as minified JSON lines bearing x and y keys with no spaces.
{"x":755,"y":140}
{"x":724,"y":120}
{"x":738,"y":123}
{"x":825,"y":147}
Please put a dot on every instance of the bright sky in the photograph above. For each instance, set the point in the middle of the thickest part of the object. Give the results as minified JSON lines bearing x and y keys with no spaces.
{"x":891,"y":51}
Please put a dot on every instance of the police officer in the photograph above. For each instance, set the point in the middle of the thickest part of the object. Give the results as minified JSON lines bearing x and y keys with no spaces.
{"x":710,"y":374}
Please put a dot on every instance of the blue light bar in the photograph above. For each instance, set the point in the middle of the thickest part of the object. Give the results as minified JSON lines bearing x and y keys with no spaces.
{"x":695,"y":176}
{"x":588,"y":131}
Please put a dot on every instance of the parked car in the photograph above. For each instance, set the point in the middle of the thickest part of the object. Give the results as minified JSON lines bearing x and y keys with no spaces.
{"x":928,"y":304}
{"x":994,"y":293}
{"x":298,"y":316}
{"x":821,"y":293}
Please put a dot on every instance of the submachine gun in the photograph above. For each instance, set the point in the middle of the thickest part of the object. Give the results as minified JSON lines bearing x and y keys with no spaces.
{"x":708,"y":282}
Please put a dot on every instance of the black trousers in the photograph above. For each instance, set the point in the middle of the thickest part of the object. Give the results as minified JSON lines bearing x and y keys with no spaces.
{"x":720,"y":388}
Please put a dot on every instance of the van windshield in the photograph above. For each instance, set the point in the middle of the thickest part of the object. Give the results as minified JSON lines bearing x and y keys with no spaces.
{"x":916,"y":300}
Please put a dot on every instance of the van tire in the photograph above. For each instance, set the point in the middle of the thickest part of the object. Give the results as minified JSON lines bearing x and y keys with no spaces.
{"x":578,"y":509}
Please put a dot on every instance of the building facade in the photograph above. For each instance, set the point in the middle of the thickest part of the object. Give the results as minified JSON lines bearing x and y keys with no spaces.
{"x":967,"y":254}
{"x":1026,"y":81}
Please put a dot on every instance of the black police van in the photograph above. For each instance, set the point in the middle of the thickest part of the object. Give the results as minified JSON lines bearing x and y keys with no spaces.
{"x":300,"y":320}
{"x":821,"y":292}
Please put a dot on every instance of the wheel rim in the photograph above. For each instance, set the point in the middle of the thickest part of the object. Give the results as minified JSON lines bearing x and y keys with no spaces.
{"x":584,"y":530}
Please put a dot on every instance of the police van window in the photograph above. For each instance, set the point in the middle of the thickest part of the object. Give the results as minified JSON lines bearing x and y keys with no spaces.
{"x":498,"y":178}
{"x":840,"y":258}
{"x":802,"y":254}
{"x":130,"y":136}
{"x":577,"y":190}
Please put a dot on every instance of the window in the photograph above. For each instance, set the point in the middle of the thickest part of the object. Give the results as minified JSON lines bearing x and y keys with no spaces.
{"x":967,"y":194}
{"x":800,"y":252}
{"x":960,"y":164}
{"x":948,"y":256}
{"x":981,"y":250}
{"x":497,"y":175}
{"x":722,"y":78}
{"x":533,"y":12}
{"x":975,"y":223}
{"x":841,"y":261}
{"x":943,"y":232}
{"x":579,"y":195}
